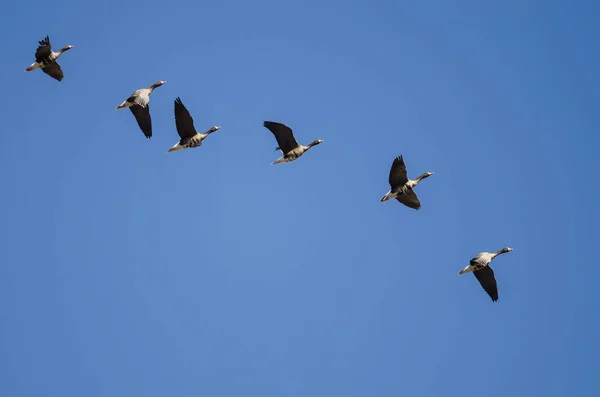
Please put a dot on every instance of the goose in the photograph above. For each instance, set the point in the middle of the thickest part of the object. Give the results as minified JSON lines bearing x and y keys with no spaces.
{"x":190,"y":138}
{"x":139,"y":104}
{"x":45,"y":59}
{"x":402,"y":188}
{"x":290,"y":149}
{"x":480,"y":267}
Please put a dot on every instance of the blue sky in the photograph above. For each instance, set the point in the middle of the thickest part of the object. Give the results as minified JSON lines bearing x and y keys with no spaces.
{"x":130,"y":271}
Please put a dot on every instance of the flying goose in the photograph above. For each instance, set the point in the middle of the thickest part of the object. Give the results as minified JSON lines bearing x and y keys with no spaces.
{"x":45,"y":59}
{"x":480,"y":266}
{"x":401,"y":186}
{"x":190,"y":138}
{"x":139,"y":104}
{"x":288,"y":146}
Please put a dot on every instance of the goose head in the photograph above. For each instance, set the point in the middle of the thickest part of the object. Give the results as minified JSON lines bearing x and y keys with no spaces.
{"x":420,"y":178}
{"x":67,"y":48}
{"x":502,"y":251}
{"x":315,"y":142}
{"x":158,"y":84}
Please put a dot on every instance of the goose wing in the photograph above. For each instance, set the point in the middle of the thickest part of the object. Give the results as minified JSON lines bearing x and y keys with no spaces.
{"x":142,"y":115}
{"x":283,"y":135}
{"x":44,"y":50}
{"x":398,"y":176}
{"x":486,"y":278}
{"x":53,"y":70}
{"x":409,"y":199}
{"x":183,"y":120}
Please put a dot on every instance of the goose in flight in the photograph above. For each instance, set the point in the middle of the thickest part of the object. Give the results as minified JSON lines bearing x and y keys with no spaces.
{"x":402,"y":188}
{"x":290,"y":149}
{"x":190,"y":138}
{"x":45,"y":59}
{"x":480,"y":267}
{"x":139,"y":104}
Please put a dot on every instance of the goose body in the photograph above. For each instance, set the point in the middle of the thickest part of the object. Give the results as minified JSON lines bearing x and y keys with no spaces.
{"x":45,"y":59}
{"x":290,"y":149}
{"x":139,"y":104}
{"x":184,"y":123}
{"x":480,"y":267}
{"x":402,"y":188}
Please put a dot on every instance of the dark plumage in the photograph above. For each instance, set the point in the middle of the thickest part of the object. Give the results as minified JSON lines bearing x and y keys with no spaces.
{"x":45,"y":59}
{"x":183,"y":121}
{"x":480,"y":267}
{"x":401,"y":186}
{"x":283,"y":134}
{"x":143,"y":118}
{"x":290,"y":149}
{"x":139,"y":104}
{"x":486,"y":278}
{"x":190,"y":138}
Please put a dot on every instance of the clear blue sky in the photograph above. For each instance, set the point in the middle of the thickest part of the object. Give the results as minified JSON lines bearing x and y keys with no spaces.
{"x":130,"y":271}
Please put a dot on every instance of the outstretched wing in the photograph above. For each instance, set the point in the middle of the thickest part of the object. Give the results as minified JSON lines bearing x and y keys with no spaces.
{"x":44,"y":50}
{"x":142,"y":115}
{"x":53,"y":70}
{"x":486,"y":278}
{"x":283,"y":135}
{"x":409,"y":199}
{"x":397,"y":176}
{"x":183,"y":120}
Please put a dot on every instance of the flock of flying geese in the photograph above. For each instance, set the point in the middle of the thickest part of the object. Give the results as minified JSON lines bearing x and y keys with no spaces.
{"x":402,"y":188}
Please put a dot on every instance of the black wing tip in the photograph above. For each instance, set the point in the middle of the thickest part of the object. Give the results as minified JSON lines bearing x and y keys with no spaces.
{"x":178,"y":100}
{"x":493,"y":295}
{"x":266,"y":123}
{"x":398,"y":161}
{"x":277,"y":127}
{"x":147,"y":131}
{"x":57,"y":78}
